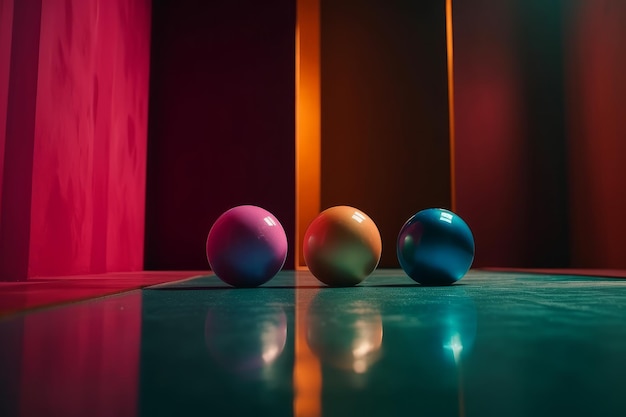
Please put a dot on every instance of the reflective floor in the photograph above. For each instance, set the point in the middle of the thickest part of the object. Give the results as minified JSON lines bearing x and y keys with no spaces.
{"x":494,"y":344}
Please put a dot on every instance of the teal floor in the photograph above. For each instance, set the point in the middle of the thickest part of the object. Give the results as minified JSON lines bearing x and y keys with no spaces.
{"x":494,"y":344}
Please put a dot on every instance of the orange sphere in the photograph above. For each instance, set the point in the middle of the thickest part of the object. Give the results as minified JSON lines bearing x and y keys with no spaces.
{"x":342,"y":246}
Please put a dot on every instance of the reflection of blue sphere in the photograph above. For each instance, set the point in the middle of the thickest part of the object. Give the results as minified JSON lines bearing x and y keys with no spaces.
{"x":457,"y":330}
{"x":444,"y":329}
{"x":435,"y":247}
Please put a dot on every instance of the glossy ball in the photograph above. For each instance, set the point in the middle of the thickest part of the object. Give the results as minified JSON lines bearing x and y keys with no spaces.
{"x":246,"y":246}
{"x":342,"y":246}
{"x":435,"y":247}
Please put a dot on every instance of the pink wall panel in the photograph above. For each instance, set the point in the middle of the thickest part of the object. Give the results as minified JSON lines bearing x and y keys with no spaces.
{"x":90,"y":137}
{"x":128,"y":142}
{"x":596,"y":81}
{"x":6,"y":28}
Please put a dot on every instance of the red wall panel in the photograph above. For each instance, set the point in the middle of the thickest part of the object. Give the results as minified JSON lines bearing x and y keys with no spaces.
{"x":596,"y":83}
{"x":540,"y":98}
{"x":511,"y":154}
{"x":491,"y":150}
{"x":88,"y":137}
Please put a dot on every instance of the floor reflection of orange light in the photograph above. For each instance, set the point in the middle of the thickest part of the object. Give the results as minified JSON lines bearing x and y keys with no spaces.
{"x":308,"y":153}
{"x":307,"y":369}
{"x":351,"y":344}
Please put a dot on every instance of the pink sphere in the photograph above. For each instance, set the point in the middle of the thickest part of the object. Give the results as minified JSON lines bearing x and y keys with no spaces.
{"x":246,"y":246}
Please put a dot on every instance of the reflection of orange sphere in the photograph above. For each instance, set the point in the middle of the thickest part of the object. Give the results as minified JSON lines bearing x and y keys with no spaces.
{"x":350,"y":340}
{"x":342,"y":246}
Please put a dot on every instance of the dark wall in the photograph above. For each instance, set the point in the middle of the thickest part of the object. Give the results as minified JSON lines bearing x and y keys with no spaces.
{"x":539,"y":132}
{"x":18,"y":138}
{"x":385,"y":132}
{"x":221,"y":130}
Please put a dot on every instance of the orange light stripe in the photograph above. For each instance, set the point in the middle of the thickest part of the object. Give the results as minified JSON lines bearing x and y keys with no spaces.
{"x":308,"y":120}
{"x":449,"y":48}
{"x":307,"y":373}
{"x":297,"y":243}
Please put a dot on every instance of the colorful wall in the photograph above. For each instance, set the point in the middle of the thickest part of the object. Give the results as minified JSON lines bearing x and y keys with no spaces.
{"x":74,"y":161}
{"x":300,"y":105}
{"x":223,"y":132}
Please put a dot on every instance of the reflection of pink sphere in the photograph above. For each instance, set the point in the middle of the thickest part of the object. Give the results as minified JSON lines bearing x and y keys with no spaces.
{"x":246,"y":246}
{"x":245,"y":344}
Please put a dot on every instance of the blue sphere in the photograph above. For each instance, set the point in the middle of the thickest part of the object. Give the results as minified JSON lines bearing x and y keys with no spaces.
{"x":435,"y":247}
